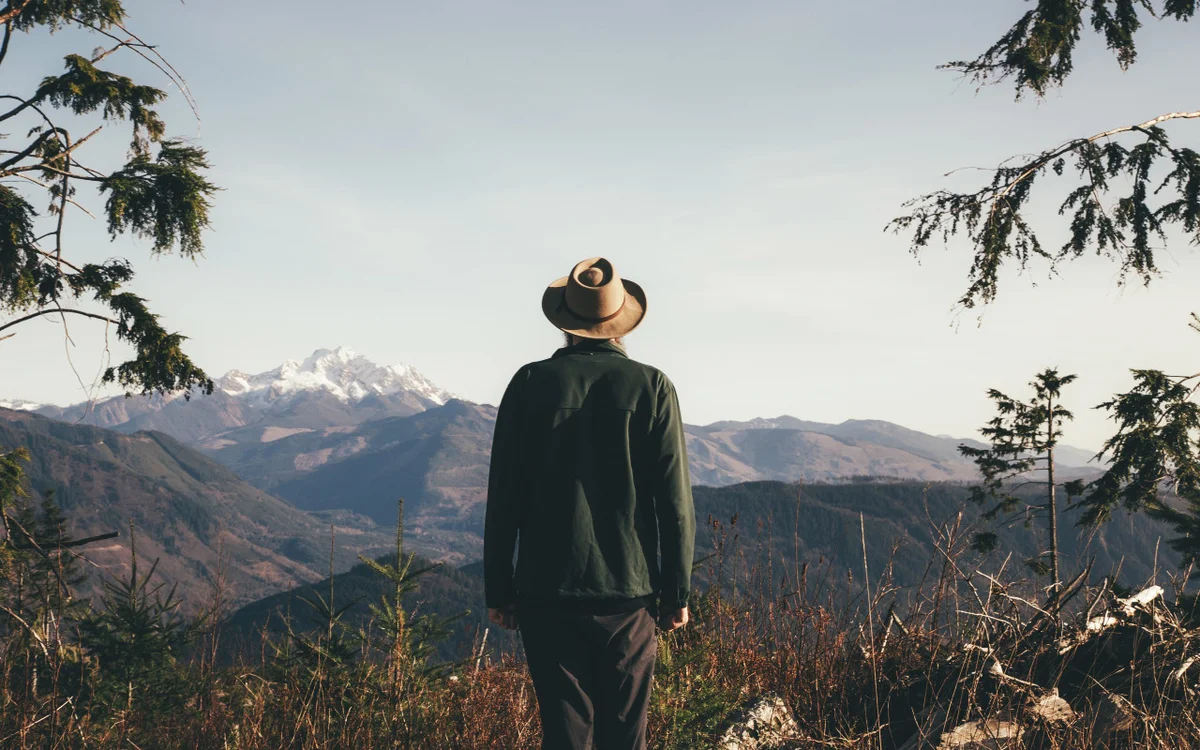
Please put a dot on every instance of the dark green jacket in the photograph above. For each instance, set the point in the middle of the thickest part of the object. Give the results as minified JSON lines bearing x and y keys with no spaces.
{"x":589,"y":469}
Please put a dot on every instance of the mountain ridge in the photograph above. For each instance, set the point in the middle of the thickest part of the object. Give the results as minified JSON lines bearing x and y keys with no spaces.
{"x":186,"y":509}
{"x":329,"y":387}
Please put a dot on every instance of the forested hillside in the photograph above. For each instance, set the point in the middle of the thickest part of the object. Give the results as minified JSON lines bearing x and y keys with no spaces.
{"x":186,"y":510}
{"x":814,"y":523}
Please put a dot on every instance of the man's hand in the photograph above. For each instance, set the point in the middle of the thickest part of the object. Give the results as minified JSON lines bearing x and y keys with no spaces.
{"x":672,"y":619}
{"x":506,"y":617}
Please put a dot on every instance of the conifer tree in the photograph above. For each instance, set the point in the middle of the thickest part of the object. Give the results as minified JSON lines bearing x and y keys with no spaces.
{"x":12,"y":493}
{"x":1130,"y":187}
{"x":1023,"y":435}
{"x":137,"y":636}
{"x":160,"y":193}
{"x":1155,"y":457}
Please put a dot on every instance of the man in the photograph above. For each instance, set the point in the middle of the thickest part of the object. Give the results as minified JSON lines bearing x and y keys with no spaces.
{"x":589,"y":469}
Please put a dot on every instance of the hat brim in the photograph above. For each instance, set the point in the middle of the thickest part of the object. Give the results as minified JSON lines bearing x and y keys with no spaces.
{"x":555,"y":309}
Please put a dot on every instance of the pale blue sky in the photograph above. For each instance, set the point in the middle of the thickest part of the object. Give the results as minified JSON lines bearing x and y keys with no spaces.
{"x":405,"y":178}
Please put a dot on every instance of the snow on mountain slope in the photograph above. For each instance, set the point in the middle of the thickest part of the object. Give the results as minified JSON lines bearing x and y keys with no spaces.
{"x":341,"y":372}
{"x":332,"y":387}
{"x":19,"y":405}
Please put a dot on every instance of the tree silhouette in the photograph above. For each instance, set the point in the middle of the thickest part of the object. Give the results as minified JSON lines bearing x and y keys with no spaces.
{"x":160,"y":193}
{"x":1023,"y":435}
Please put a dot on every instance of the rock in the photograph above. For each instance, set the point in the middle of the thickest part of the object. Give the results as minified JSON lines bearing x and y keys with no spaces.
{"x":764,"y":724}
{"x":1140,"y":600}
{"x":987,"y":734}
{"x":984,"y":734}
{"x":1052,"y":709}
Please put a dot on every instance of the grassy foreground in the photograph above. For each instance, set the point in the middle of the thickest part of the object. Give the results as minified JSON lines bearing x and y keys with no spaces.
{"x":859,"y":666}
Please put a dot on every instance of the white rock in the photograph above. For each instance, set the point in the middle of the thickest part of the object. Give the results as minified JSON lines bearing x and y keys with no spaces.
{"x":1140,"y":600}
{"x":1052,"y":709}
{"x":766,"y":723}
{"x":986,"y":734}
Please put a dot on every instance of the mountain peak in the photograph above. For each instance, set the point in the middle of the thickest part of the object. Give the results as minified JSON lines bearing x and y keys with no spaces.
{"x":341,"y":372}
{"x":342,"y":355}
{"x":19,"y":405}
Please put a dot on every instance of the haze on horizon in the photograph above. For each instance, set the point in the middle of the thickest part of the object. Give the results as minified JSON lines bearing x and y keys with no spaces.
{"x":404,"y":180}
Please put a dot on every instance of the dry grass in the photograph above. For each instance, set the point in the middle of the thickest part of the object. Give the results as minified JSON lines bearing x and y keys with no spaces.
{"x":858,"y":672}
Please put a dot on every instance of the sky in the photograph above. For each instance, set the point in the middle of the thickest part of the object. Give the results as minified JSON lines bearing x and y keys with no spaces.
{"x":404,"y":179}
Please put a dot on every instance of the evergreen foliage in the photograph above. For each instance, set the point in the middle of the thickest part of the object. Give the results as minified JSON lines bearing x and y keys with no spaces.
{"x":1022,"y":436}
{"x":1036,"y":54}
{"x":1134,"y":187}
{"x":1155,"y":457}
{"x":136,"y":639}
{"x":1037,"y":51}
{"x":407,"y":643}
{"x":1126,"y":227}
{"x":160,"y":193}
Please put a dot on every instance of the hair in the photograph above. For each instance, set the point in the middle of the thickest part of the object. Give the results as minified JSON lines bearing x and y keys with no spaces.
{"x":573,"y":340}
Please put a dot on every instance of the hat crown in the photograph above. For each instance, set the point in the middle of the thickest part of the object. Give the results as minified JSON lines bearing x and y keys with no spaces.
{"x":592,"y":277}
{"x":594,"y":290}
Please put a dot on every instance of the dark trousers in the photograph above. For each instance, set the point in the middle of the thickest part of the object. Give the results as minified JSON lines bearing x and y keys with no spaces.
{"x":592,"y":676}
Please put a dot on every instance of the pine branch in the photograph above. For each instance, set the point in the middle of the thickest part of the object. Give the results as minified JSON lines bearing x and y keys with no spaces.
{"x":992,"y":219}
{"x":1037,"y":51}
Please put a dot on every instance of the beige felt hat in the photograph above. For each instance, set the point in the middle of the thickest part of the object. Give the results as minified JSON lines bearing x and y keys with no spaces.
{"x":594,"y":302}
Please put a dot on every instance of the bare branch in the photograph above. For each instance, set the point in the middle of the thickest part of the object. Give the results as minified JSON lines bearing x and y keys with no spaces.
{"x":158,"y":61}
{"x":45,"y":254}
{"x":39,"y":183}
{"x":66,"y":152}
{"x":75,"y":542}
{"x":13,"y":10}
{"x":8,"y":30}
{"x":56,"y":311}
{"x":30,"y":105}
{"x":34,"y":146}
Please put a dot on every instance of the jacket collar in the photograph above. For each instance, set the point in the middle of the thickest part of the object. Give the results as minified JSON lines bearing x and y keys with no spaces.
{"x":591,"y":347}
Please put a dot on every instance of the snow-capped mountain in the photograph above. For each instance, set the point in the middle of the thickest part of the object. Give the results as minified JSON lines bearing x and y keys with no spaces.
{"x":330,"y":388}
{"x":341,"y":372}
{"x":19,"y":405}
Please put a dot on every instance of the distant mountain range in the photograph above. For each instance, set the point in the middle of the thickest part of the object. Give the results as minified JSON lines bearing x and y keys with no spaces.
{"x":333,"y":387}
{"x":336,"y":431}
{"x":789,"y":449}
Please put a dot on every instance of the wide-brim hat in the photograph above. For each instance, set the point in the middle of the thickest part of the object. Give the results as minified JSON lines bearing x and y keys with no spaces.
{"x":594,"y":302}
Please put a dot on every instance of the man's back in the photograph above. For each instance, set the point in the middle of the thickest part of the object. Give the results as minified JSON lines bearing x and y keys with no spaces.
{"x":588,"y":461}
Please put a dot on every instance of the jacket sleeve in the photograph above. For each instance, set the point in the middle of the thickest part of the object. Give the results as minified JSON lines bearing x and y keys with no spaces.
{"x":502,"y":515}
{"x":673,"y":501}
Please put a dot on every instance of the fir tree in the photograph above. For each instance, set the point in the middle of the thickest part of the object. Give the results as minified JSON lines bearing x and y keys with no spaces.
{"x":1023,"y":435}
{"x":1155,"y":457}
{"x":137,"y":637}
{"x":160,"y":193}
